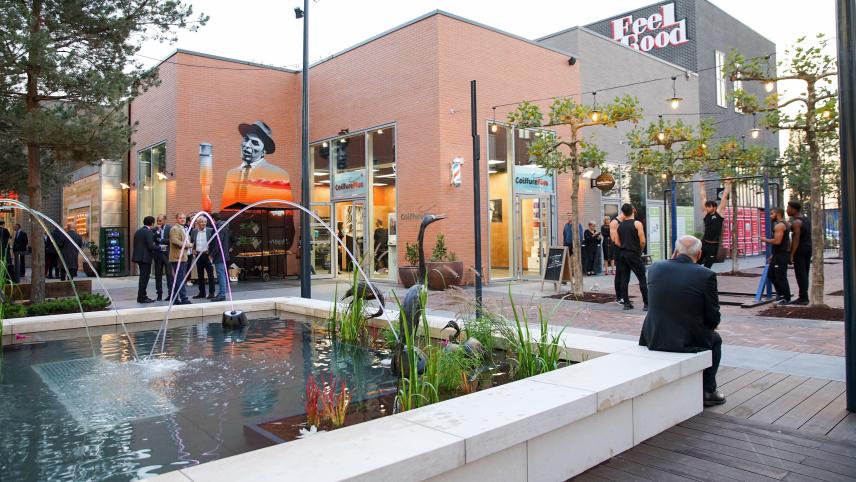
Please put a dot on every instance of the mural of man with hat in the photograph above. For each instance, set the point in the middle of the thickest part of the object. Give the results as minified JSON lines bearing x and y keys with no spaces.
{"x":255,"y":179}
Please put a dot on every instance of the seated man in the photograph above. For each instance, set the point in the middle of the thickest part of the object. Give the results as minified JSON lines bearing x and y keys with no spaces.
{"x":683,"y":316}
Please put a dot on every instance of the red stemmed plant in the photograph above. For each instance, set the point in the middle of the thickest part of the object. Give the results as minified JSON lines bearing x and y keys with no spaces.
{"x":335,"y":404}
{"x":313,"y":393}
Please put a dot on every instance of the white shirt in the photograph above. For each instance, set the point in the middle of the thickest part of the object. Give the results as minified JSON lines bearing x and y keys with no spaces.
{"x":202,"y":240}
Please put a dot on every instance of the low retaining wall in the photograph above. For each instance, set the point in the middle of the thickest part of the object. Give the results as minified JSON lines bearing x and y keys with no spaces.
{"x":548,"y":427}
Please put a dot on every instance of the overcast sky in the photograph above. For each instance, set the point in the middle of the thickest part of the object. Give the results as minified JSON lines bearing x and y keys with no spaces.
{"x":266,"y":31}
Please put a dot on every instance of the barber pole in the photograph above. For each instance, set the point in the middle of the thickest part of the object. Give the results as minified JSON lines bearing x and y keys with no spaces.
{"x":456,"y":171}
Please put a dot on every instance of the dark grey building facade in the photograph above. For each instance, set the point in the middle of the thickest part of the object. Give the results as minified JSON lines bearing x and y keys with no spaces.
{"x":697,"y":35}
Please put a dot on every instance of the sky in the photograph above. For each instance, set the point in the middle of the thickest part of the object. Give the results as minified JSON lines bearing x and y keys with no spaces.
{"x":266,"y":31}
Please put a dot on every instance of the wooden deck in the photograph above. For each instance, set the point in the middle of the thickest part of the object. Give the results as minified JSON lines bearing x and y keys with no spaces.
{"x":773,"y":427}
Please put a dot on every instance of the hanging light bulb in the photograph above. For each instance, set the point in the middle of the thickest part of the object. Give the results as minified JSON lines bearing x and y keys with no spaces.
{"x":674,"y":101}
{"x":661,"y":136}
{"x":826,"y":114}
{"x":595,"y":114}
{"x":494,"y":128}
{"x":703,"y":146}
{"x":769,"y":85}
{"x":755,"y":131}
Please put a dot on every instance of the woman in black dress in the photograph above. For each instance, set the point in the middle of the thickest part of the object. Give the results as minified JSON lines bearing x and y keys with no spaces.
{"x":608,"y":248}
{"x":592,"y":239}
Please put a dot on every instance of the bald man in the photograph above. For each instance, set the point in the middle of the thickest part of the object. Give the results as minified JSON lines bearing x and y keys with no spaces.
{"x":683,"y":316}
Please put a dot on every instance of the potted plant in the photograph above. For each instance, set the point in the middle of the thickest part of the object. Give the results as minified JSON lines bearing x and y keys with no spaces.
{"x":444,"y":269}
{"x":409,"y":274}
{"x":93,"y":257}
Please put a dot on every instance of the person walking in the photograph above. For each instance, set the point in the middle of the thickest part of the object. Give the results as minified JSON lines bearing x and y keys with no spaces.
{"x":201,"y":236}
{"x":616,"y":255}
{"x":179,"y":248}
{"x":161,"y":258}
{"x":800,"y":252}
{"x":20,"y":241}
{"x":144,"y":251}
{"x":778,"y":262}
{"x":631,"y":242}
{"x":608,"y":248}
{"x":683,"y":316}
{"x":219,"y":247}
{"x":592,"y":239}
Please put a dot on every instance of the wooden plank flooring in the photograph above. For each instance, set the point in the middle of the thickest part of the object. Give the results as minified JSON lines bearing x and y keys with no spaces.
{"x":774,"y":427}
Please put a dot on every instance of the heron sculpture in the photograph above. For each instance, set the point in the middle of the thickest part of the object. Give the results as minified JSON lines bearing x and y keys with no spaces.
{"x":411,"y":308}
{"x":367,"y":291}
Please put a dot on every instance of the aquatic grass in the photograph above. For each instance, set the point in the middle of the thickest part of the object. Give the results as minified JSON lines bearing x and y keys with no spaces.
{"x":532,"y":356}
{"x":453,"y":366}
{"x":414,"y":391}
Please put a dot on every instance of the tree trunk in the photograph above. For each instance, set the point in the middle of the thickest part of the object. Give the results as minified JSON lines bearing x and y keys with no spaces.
{"x":735,"y":250}
{"x":576,"y":259}
{"x":34,"y":177}
{"x":817,"y":279}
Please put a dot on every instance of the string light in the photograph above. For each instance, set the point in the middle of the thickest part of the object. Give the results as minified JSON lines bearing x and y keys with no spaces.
{"x":493,"y":126}
{"x":674,"y":101}
{"x":770,"y":84}
{"x":595,"y":114}
{"x":826,"y":114}
{"x":755,"y":131}
{"x":661,"y":136}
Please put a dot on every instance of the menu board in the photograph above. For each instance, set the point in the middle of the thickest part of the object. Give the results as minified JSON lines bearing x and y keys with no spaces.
{"x":112,"y":252}
{"x":558,"y":265}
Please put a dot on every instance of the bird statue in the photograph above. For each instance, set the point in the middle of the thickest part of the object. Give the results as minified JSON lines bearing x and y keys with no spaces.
{"x":411,"y":308}
{"x":367,"y":291}
{"x":472,"y":346}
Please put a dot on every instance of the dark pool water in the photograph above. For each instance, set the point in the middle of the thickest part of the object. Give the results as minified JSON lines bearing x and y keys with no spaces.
{"x":67,"y":416}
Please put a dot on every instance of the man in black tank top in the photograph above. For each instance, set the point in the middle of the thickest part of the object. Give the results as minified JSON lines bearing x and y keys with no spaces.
{"x":800,"y":249}
{"x":630,"y":243}
{"x":778,"y":272}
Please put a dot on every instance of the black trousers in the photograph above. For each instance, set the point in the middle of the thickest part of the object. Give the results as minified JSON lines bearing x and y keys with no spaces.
{"x":709,"y":374}
{"x":619,"y":275}
{"x":629,"y":261}
{"x":20,"y":263}
{"x":145,"y":273}
{"x":162,"y":267}
{"x":708,"y":254}
{"x":51,"y":265}
{"x":203,"y":265}
{"x":802,"y":262}
{"x":778,"y":275}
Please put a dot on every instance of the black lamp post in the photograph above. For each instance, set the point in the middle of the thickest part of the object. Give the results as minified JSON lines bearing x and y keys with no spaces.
{"x":847,"y":199}
{"x":305,"y":236}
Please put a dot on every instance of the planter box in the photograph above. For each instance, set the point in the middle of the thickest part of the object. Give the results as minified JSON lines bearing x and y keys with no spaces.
{"x":442,"y":275}
{"x":408,"y":275}
{"x":53,"y":289}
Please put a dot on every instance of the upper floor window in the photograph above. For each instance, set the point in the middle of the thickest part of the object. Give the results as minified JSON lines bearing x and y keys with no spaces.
{"x":721,"y":87}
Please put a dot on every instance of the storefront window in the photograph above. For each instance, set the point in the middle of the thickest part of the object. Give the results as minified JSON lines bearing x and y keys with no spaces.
{"x":151,"y":182}
{"x":499,"y":207}
{"x":364,"y":217}
{"x":384,"y":240}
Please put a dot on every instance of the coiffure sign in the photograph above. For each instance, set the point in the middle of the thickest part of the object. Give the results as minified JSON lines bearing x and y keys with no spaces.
{"x":656,"y":31}
{"x":350,"y":184}
{"x":532,"y":180}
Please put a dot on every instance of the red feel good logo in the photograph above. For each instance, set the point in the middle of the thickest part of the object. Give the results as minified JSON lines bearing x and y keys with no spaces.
{"x":658,"y":30}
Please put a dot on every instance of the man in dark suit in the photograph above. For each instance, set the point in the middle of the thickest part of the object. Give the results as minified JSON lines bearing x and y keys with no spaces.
{"x":19,"y":248}
{"x":219,"y":248}
{"x":683,"y":316}
{"x":144,"y":251}
{"x":161,"y":257}
{"x":6,"y":252}
{"x":68,"y":251}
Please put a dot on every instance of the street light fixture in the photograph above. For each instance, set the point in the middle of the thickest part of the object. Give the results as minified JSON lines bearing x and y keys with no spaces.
{"x":755,"y":131}
{"x":595,"y":114}
{"x":661,"y":136}
{"x":305,"y":241}
{"x":674,"y":101}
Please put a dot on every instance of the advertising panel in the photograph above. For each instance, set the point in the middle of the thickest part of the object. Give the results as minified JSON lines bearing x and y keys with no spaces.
{"x":350,"y":184}
{"x":532,"y":180}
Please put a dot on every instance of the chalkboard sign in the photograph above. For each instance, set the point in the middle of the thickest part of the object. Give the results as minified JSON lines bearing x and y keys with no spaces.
{"x":558,"y":266}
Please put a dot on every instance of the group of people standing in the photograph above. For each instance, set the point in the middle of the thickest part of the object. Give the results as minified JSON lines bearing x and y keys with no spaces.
{"x":62,"y":250}
{"x":173,"y":248}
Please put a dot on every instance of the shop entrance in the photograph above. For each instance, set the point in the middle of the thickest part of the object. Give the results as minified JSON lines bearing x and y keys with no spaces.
{"x":534,"y":232}
{"x":350,"y":219}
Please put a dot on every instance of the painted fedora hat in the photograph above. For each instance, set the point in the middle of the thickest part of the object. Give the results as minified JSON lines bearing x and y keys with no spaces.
{"x":262,"y":130}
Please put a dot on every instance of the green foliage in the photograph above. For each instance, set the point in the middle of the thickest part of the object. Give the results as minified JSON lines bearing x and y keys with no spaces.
{"x":89,"y":301}
{"x":670,"y":147}
{"x":411,"y":254}
{"x":532,"y":356}
{"x":415,"y":391}
{"x":453,"y":366}
{"x":441,"y":253}
{"x":351,"y":325}
{"x":483,"y":328}
{"x":388,"y":338}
